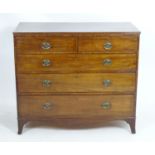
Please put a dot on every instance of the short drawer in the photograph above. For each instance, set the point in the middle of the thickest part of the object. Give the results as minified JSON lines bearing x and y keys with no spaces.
{"x":86,"y":82}
{"x":75,"y":106}
{"x":70,"y":63}
{"x":44,"y":44}
{"x":108,"y":44}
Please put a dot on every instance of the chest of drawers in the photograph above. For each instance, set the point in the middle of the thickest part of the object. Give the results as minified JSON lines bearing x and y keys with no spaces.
{"x":76,"y":71}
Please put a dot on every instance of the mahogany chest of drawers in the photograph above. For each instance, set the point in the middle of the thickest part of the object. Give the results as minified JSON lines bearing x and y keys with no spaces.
{"x":76,"y":71}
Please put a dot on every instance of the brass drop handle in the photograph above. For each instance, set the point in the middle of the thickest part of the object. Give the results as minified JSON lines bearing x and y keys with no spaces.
{"x":46,"y":62}
{"x":107,"y":62}
{"x":106,"y":105}
{"x":46,"y":45}
{"x":107,"y":83}
{"x":46,"y":83}
{"x":107,"y":46}
{"x":47,"y":106}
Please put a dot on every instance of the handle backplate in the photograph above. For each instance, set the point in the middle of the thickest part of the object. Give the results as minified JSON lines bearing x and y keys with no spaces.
{"x":107,"y":62}
{"x":107,"y":83}
{"x":47,"y":106}
{"x":46,"y":45}
{"x":46,"y":83}
{"x":108,"y":46}
{"x":106,"y":105}
{"x":46,"y":62}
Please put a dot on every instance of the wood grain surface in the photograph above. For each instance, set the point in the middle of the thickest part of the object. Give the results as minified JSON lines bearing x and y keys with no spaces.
{"x":73,"y":63}
{"x":75,"y":106}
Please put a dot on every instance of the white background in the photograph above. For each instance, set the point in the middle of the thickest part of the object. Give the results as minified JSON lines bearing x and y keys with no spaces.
{"x":139,"y":12}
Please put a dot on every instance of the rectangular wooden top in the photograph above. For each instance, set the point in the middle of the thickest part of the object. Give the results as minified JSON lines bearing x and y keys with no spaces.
{"x":36,"y":27}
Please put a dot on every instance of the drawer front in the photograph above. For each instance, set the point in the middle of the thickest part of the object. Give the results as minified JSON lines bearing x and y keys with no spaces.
{"x":44,"y":44}
{"x":66,"y":63}
{"x":60,"y":83}
{"x":76,"y":106}
{"x":113,"y":44}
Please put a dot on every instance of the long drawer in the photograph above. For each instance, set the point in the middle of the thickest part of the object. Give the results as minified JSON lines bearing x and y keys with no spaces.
{"x":65,"y":63}
{"x":75,"y":106}
{"x":84,"y":82}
